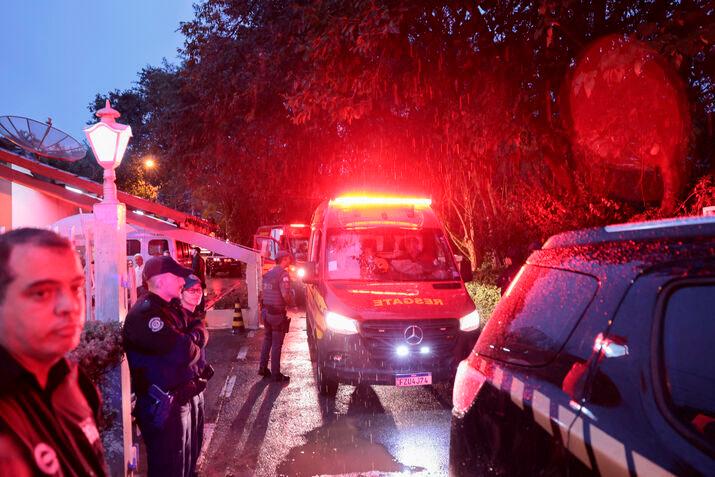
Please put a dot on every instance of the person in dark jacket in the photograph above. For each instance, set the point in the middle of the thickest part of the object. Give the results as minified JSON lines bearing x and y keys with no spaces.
{"x":198,"y":265}
{"x":162,"y":353}
{"x":191,"y":297}
{"x":48,"y":407}
{"x":277,"y":296}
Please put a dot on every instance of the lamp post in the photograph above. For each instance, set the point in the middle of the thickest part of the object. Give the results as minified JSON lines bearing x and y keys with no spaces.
{"x":109,"y":141}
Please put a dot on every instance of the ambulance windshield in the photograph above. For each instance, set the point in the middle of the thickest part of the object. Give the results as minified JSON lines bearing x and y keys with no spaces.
{"x":389,"y":254}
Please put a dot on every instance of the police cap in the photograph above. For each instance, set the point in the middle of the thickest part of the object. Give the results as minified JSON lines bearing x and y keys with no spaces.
{"x":163,"y":264}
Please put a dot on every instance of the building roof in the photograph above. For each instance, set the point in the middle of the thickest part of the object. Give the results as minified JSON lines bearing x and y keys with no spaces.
{"x":84,"y":193}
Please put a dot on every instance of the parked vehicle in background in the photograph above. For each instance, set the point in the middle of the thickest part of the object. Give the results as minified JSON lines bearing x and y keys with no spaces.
{"x":597,"y":360}
{"x":150,"y":244}
{"x":217,"y":264}
{"x":385,"y":298}
{"x":293,"y":238}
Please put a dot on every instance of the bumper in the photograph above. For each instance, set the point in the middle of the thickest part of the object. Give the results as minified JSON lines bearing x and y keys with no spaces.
{"x":347,"y":359}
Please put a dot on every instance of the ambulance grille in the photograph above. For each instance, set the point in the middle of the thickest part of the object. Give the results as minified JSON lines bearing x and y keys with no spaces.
{"x":382,"y":337}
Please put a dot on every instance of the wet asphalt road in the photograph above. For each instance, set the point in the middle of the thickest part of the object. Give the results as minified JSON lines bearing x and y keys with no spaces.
{"x":257,"y":427}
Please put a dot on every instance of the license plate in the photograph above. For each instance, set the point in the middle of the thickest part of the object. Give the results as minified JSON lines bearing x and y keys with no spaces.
{"x":416,"y":379}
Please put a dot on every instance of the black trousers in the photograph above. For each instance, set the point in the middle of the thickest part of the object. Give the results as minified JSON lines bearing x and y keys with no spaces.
{"x":169,"y":448}
{"x":275,"y":329}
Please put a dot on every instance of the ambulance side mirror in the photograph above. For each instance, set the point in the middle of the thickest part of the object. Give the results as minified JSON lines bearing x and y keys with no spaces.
{"x":310,"y":276}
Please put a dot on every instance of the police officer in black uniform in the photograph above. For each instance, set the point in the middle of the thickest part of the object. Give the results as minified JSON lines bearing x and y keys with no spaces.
{"x":276,"y":296}
{"x":162,"y":353}
{"x":48,"y":408}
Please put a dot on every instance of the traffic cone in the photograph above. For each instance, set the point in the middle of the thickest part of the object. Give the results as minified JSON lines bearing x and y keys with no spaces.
{"x":237,"y":318}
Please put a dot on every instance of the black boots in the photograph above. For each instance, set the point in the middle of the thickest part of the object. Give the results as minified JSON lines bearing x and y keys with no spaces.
{"x":281,"y":378}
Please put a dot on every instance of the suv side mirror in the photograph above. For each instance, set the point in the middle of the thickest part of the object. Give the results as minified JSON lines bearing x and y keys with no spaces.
{"x":465,"y":270}
{"x":310,"y":276}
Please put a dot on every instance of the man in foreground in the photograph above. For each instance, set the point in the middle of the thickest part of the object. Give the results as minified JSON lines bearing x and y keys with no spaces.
{"x":48,"y":408}
{"x":162,"y":353}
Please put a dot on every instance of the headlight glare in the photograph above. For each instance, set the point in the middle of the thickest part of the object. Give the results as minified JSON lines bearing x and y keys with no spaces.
{"x":469,"y":322}
{"x":340,"y":324}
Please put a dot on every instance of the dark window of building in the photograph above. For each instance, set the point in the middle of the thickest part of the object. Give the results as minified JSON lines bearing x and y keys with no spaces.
{"x":687,"y":341}
{"x":536,"y":316}
{"x":133,"y":247}
{"x":157,"y":247}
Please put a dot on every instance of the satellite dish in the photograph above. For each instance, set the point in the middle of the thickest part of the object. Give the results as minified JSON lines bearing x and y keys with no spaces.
{"x":41,"y":138}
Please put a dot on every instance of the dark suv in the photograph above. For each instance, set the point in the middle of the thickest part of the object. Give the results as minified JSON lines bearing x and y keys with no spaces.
{"x":597,"y":359}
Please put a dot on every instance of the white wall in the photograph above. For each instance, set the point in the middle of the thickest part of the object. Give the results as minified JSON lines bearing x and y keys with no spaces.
{"x":31,"y":208}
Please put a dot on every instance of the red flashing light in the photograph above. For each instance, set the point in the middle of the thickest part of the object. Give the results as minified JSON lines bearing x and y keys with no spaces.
{"x":376,"y":201}
{"x":298,"y":226}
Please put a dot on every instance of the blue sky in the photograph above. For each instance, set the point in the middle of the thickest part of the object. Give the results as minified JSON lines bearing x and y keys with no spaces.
{"x":58,"y":54}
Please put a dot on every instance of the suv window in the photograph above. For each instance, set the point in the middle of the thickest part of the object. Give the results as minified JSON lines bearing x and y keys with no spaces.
{"x":534,"y":319}
{"x":687,"y":340}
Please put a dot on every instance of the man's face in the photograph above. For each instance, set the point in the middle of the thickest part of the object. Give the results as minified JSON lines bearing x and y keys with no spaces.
{"x":139,"y":260}
{"x":193,"y":252}
{"x":171,"y":285}
{"x":285,"y":262}
{"x":42,"y":315}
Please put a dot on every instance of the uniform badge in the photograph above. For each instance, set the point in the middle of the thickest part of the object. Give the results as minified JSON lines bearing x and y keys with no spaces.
{"x":90,"y":430}
{"x":156,"y":324}
{"x":46,"y":459}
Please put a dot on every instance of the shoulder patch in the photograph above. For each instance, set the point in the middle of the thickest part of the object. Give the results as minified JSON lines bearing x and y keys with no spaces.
{"x":286,"y":278}
{"x":156,"y":324}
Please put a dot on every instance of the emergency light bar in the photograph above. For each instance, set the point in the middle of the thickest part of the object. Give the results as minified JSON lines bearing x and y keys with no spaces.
{"x":355,"y":200}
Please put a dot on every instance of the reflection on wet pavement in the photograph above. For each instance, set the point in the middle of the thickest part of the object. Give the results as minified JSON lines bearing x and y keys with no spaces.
{"x":344,"y":444}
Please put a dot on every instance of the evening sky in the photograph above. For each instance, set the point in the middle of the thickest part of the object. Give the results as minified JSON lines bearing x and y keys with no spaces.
{"x":58,"y":54}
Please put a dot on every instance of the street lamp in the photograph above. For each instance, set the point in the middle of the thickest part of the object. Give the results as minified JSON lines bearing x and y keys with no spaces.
{"x":109,"y":140}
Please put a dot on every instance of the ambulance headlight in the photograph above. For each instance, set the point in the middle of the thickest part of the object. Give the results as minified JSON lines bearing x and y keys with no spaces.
{"x":340,"y":324}
{"x":300,"y":272}
{"x":469,"y":322}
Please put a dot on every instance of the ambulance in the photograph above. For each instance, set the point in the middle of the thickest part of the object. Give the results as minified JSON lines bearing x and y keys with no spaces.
{"x":385,"y":296}
{"x":293,"y":238}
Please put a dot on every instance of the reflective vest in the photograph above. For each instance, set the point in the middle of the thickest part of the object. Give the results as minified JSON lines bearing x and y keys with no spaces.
{"x":272,"y":297}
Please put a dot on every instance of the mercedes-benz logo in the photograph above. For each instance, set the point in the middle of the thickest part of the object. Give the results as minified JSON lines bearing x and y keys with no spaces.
{"x":413,"y":335}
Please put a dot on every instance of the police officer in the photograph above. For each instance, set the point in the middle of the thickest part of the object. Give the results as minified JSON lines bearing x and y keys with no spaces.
{"x":276,"y":296}
{"x":48,"y":408}
{"x":162,"y":353}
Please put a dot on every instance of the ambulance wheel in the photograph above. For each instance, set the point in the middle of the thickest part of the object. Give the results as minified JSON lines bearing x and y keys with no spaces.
{"x":326,"y":386}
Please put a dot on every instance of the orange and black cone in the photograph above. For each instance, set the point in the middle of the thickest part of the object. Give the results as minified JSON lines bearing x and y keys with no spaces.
{"x":237,"y":319}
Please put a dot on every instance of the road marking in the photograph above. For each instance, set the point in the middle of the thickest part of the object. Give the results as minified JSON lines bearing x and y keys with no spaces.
{"x":242,"y":352}
{"x":251,"y":334}
{"x":208,"y":434}
{"x":228,"y":387}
